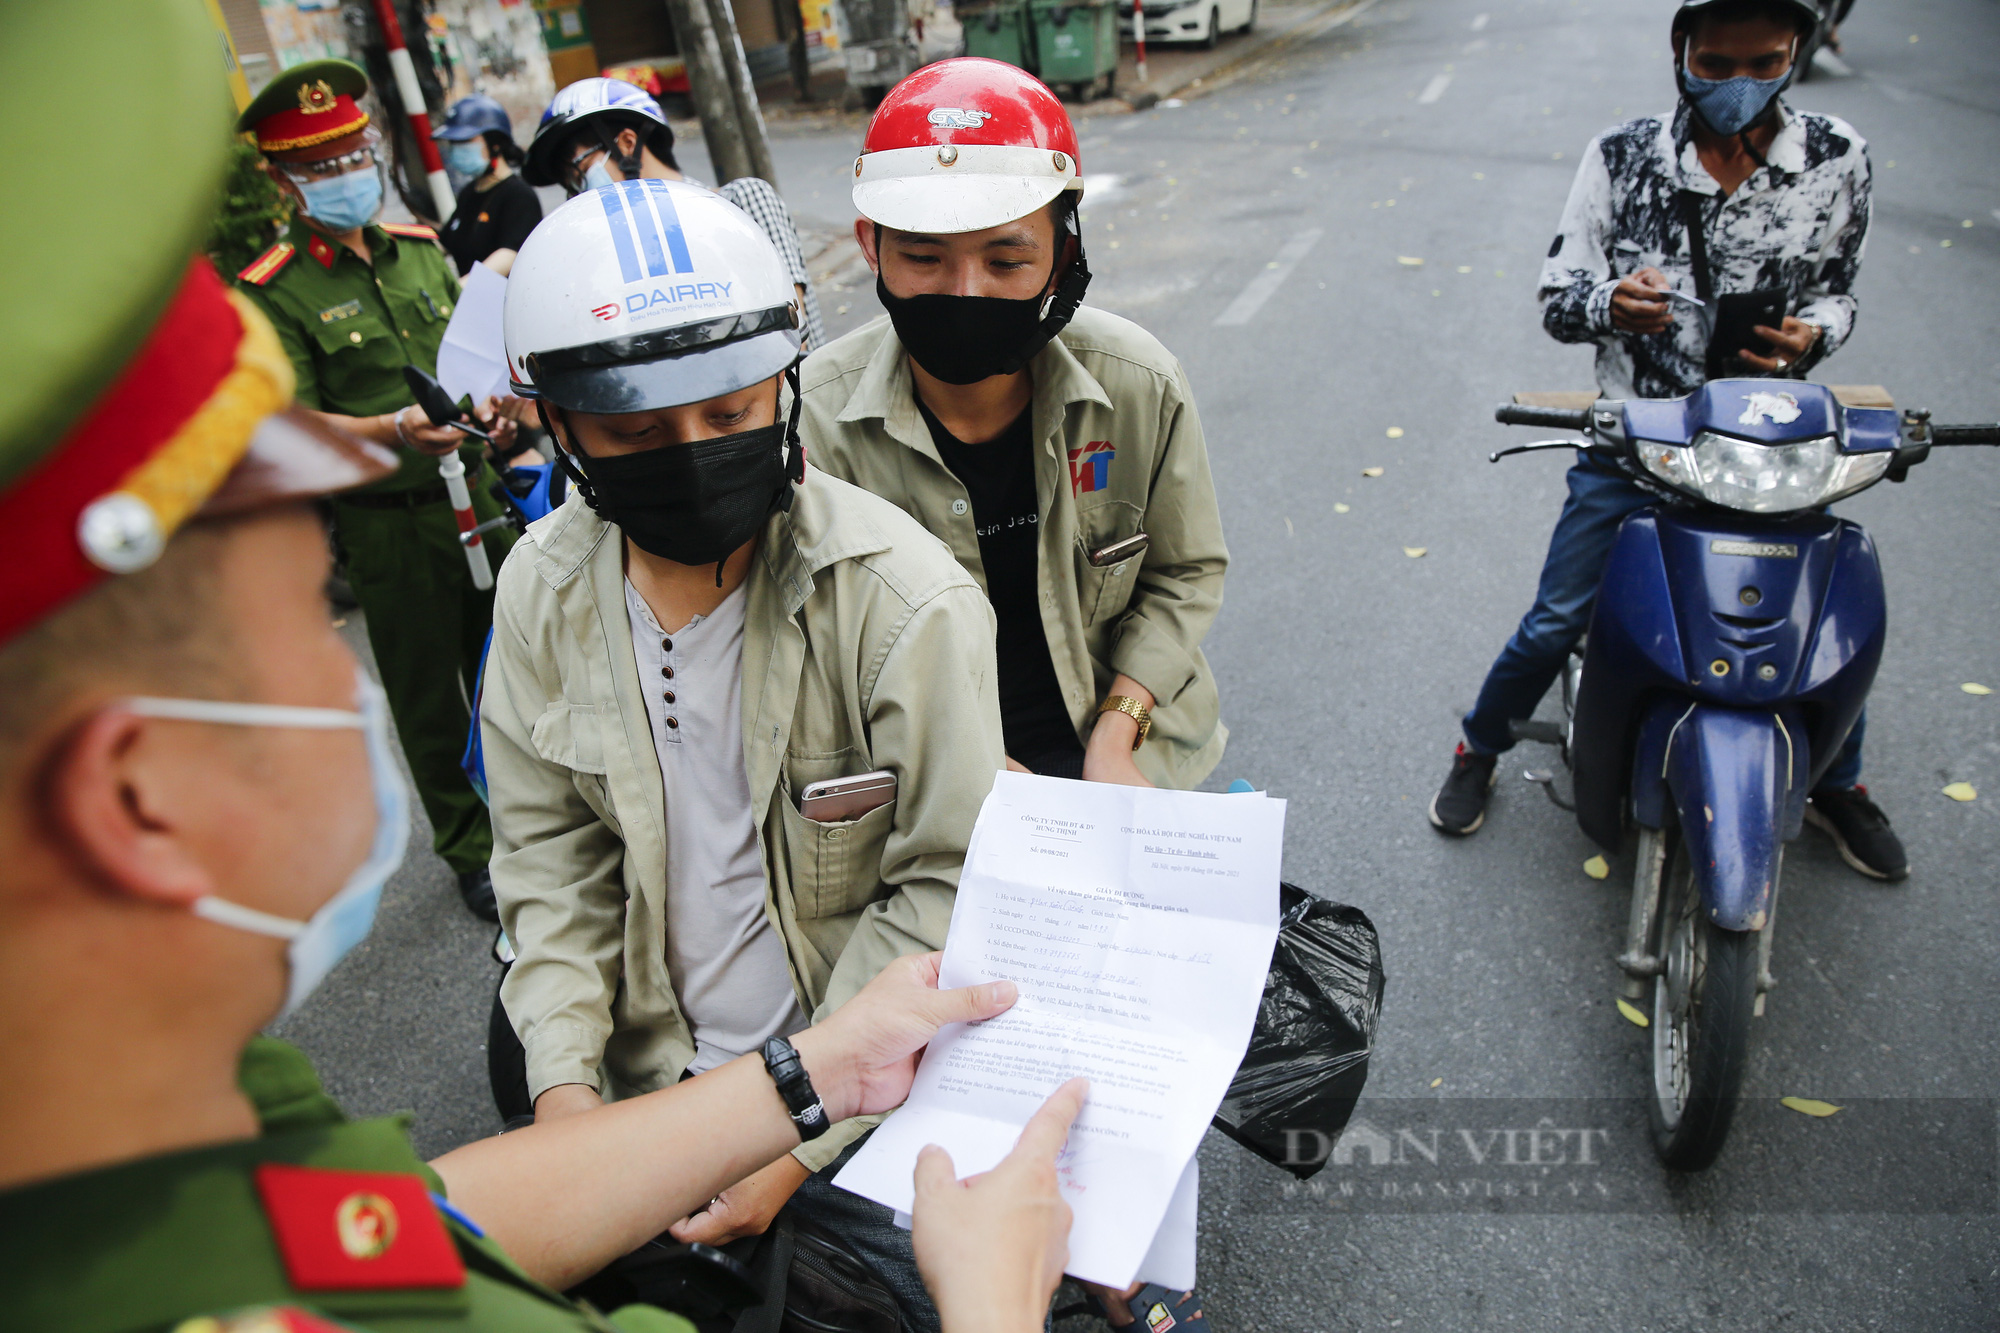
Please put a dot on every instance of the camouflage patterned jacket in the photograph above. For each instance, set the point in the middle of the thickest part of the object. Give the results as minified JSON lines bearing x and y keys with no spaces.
{"x":1798,"y":224}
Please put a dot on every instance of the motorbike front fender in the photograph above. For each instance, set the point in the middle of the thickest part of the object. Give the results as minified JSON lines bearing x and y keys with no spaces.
{"x":1731,"y":772}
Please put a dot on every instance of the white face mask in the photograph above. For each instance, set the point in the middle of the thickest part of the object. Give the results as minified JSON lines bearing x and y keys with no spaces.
{"x":344,"y":920}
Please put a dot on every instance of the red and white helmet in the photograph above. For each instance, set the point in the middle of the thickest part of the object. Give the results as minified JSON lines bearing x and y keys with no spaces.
{"x":962,"y":145}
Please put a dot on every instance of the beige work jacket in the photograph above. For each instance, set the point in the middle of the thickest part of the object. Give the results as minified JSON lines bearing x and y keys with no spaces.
{"x":1119,"y":451}
{"x":865,"y":647}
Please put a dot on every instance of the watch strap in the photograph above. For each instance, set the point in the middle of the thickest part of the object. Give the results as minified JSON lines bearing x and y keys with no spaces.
{"x":1132,"y":708}
{"x":789,"y":1073}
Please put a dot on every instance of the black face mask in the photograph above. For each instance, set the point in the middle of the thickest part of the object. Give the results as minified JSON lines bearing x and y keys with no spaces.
{"x":965,"y":339}
{"x":695,"y":504}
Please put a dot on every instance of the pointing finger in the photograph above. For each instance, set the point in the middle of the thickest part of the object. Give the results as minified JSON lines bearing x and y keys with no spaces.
{"x":1042,"y":1137}
{"x":934,"y":1171}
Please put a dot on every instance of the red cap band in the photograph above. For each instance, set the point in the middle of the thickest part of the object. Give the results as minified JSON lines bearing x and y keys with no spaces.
{"x":191,"y":350}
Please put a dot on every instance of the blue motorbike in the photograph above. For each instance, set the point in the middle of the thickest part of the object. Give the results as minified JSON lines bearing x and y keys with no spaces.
{"x":1737,"y":628}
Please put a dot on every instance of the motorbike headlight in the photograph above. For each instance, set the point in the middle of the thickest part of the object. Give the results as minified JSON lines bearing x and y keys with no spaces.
{"x":1763,"y":478}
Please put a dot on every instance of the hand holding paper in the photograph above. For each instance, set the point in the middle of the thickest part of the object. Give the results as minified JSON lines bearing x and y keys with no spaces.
{"x":1138,"y":925}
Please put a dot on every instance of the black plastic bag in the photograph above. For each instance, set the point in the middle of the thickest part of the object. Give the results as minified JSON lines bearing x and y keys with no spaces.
{"x":1308,"y":1056}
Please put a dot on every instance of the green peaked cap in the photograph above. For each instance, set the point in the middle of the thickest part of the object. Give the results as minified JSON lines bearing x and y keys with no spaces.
{"x":90,"y":259}
{"x":282,"y":92}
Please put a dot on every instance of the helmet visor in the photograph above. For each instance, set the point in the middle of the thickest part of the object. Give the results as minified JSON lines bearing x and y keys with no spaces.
{"x":584,"y":383}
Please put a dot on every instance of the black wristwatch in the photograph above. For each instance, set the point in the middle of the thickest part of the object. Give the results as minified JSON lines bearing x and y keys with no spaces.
{"x":789,"y":1073}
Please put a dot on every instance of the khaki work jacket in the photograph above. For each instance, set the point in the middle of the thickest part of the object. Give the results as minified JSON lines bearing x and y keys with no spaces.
{"x":865,"y":647}
{"x":1118,"y":451}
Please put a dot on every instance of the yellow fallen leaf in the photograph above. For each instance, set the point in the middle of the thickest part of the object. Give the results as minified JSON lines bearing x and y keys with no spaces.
{"x":1409,"y":261}
{"x":1437,"y":1082}
{"x":1596,"y":867}
{"x":1395,"y":432}
{"x":1465,"y":268}
{"x":1974,"y":687}
{"x":1339,"y":508}
{"x":1415,"y":552}
{"x":1633,"y":1013}
{"x":1961,"y":791}
{"x":1808,"y":1106}
{"x":1371,"y":472}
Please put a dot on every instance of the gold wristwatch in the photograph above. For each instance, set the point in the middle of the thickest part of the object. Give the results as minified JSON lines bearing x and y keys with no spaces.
{"x":1132,"y":708}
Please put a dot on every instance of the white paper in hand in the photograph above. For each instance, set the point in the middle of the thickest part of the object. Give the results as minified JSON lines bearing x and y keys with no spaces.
{"x":473,"y":357}
{"x":1138,"y":925}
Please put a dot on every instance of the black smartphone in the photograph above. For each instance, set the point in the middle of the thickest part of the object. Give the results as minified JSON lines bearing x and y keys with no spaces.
{"x":1737,"y":316}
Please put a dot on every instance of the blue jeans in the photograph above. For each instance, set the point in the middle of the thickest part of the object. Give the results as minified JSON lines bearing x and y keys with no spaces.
{"x":1599,"y":499}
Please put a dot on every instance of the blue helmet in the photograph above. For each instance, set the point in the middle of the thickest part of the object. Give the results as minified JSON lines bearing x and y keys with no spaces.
{"x":604,"y":106}
{"x":473,"y":116}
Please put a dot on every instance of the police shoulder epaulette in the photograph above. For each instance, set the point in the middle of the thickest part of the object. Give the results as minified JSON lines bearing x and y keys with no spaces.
{"x":414,"y":230}
{"x":265,"y":266}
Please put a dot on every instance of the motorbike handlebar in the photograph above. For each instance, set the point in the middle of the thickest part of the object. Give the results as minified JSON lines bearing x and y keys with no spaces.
{"x":1553,"y":418}
{"x":1986,"y":434}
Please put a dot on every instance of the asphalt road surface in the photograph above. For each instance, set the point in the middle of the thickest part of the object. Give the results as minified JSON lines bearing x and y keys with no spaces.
{"x":1266,"y":231}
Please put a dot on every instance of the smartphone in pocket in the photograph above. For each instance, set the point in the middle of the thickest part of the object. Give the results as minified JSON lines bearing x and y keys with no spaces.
{"x":1737,"y":316}
{"x":1136,"y":544}
{"x":838,"y":799}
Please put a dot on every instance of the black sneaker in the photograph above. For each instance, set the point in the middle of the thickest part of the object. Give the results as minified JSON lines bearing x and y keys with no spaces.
{"x":476,"y":887}
{"x":1459,"y":807}
{"x":1860,"y":831}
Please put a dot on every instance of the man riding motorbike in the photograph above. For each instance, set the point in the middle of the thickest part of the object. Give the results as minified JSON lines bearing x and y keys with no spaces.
{"x":1735,"y":192}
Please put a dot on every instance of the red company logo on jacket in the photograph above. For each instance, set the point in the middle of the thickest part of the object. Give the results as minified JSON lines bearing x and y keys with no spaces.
{"x":1090,"y":467}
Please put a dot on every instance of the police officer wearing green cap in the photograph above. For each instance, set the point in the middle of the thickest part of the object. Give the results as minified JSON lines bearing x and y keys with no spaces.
{"x":198,"y":811}
{"x":354,"y":302}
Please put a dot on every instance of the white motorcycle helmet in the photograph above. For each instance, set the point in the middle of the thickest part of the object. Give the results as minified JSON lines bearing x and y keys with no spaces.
{"x":647,"y":294}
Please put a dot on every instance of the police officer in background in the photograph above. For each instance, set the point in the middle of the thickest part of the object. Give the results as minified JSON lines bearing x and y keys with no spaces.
{"x":496,"y":207}
{"x":602,"y":131}
{"x":353,"y":303}
{"x":198,"y":810}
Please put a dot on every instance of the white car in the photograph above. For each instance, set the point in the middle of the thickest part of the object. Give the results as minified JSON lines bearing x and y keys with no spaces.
{"x":1202,"y":21}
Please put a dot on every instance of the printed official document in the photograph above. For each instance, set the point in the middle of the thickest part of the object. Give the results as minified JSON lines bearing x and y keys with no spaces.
{"x":1138,"y":924}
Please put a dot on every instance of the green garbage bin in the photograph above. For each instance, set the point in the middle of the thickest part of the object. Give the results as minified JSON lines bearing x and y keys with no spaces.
{"x":1076,"y":44}
{"x":999,"y":31}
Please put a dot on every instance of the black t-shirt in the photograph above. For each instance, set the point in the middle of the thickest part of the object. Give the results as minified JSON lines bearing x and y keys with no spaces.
{"x":999,"y":478}
{"x":489,"y":220}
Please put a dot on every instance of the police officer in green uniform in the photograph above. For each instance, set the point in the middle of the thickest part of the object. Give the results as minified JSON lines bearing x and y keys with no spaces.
{"x":198,"y":809}
{"x":353,"y":303}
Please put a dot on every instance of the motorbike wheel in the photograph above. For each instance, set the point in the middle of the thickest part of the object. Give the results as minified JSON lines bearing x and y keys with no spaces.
{"x":1702,"y":1006}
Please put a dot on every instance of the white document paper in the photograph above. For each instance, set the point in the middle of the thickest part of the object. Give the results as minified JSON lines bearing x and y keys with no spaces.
{"x":1139,"y":925}
{"x":473,"y":357}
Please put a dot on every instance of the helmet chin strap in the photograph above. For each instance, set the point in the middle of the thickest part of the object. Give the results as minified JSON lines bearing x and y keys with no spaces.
{"x":564,"y":459}
{"x":1062,"y":303}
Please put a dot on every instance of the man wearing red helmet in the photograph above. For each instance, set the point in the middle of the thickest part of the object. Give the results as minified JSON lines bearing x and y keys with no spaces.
{"x":1055,"y":448}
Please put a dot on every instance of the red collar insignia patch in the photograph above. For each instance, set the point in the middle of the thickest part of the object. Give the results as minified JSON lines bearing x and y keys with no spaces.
{"x":322,"y":249}
{"x":356,"y":1230}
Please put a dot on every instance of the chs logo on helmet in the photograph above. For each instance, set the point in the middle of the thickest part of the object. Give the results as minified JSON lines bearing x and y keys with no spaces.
{"x":956,"y":118}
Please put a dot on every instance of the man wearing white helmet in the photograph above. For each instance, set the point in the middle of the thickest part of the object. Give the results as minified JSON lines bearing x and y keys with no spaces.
{"x":601,"y":131}
{"x":704,"y":629}
{"x":1055,"y":448}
